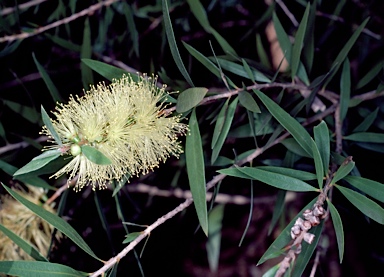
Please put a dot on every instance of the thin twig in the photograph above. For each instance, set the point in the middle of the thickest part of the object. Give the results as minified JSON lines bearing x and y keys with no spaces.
{"x":88,"y":11}
{"x":23,"y":6}
{"x":23,"y":144}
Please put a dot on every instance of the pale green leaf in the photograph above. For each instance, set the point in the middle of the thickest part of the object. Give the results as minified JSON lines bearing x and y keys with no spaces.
{"x":48,"y":123}
{"x":95,"y":155}
{"x":196,"y":171}
{"x":190,"y":98}
{"x":131,"y":236}
{"x":248,"y":102}
{"x":39,"y":161}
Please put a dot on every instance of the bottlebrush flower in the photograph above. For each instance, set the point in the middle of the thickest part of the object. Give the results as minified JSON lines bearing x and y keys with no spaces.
{"x":24,"y":223}
{"x":125,"y":122}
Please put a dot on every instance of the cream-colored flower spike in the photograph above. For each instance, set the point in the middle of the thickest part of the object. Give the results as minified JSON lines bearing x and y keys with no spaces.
{"x":126,"y":122}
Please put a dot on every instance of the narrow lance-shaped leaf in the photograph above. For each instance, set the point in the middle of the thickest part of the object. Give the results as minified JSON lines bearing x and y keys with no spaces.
{"x":48,"y":123}
{"x":219,"y":123}
{"x":47,"y":80}
{"x":288,"y":122}
{"x":55,"y":221}
{"x":343,"y":170}
{"x":364,"y":204}
{"x":39,"y":162}
{"x":190,"y":98}
{"x":338,"y":226}
{"x":224,"y":132}
{"x":215,"y":219}
{"x":108,"y":71}
{"x":367,"y":122}
{"x":196,"y":171}
{"x":248,"y":102}
{"x":298,"y":45}
{"x":86,"y":53}
{"x":95,"y":155}
{"x":366,"y":137}
{"x":345,"y":89}
{"x":28,"y":248}
{"x":370,"y":187}
{"x":321,"y":134}
{"x":318,"y":165}
{"x":38,"y":269}
{"x":172,"y":43}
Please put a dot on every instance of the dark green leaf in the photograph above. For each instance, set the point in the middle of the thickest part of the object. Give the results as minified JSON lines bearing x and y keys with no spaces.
{"x":215,"y":219}
{"x":108,"y":71}
{"x":248,"y":102}
{"x":131,"y":236}
{"x":298,"y":45}
{"x":38,"y":162}
{"x":190,"y":98}
{"x":196,"y":171}
{"x":26,"y":112}
{"x":47,"y":80}
{"x":371,"y":74}
{"x":321,"y":134}
{"x":271,"y":178}
{"x":95,"y":155}
{"x":282,"y":37}
{"x":292,"y":145}
{"x":48,"y":123}
{"x":284,"y":238}
{"x":364,"y":204}
{"x":288,"y":122}
{"x":338,"y":226}
{"x":344,"y":52}
{"x":366,"y":137}
{"x":86,"y":53}
{"x":224,"y":131}
{"x":262,"y":53}
{"x":345,"y":89}
{"x":55,"y":221}
{"x":172,"y":43}
{"x":277,"y":209}
{"x":367,"y":122}
{"x":38,"y":269}
{"x":370,"y":187}
{"x":344,"y":169}
{"x":318,"y":165}
{"x":128,"y":11}
{"x":199,"y":12}
{"x":248,"y":70}
{"x":29,"y":249}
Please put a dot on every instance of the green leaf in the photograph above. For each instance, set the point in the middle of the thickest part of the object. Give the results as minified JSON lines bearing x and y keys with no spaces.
{"x":196,"y":171}
{"x":95,"y":155}
{"x":370,"y":187}
{"x":110,"y":72}
{"x":219,"y":123}
{"x":307,"y":251}
{"x":344,"y":52}
{"x":344,"y":169}
{"x":318,"y":165}
{"x":172,"y":43}
{"x":224,"y":131}
{"x":55,"y":221}
{"x":38,"y":269}
{"x":294,"y":173}
{"x":345,"y":89}
{"x":364,"y":204}
{"x":298,"y":45}
{"x":282,"y":37}
{"x":215,"y":219}
{"x":262,"y":53}
{"x":248,"y":70}
{"x":190,"y":98}
{"x":366,"y":137}
{"x":248,"y":102}
{"x":241,"y":71}
{"x":277,"y":210}
{"x":292,"y":145}
{"x":129,"y":12}
{"x":47,"y":80}
{"x":288,"y":122}
{"x":39,"y":161}
{"x":131,"y":237}
{"x":371,"y":74}
{"x":321,"y":134}
{"x":309,"y":40}
{"x":271,"y":178}
{"x":28,"y":248}
{"x":199,"y":12}
{"x":26,"y":112}
{"x":338,"y":226}
{"x":86,"y":53}
{"x":275,"y":249}
{"x":48,"y":123}
{"x":367,"y":122}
